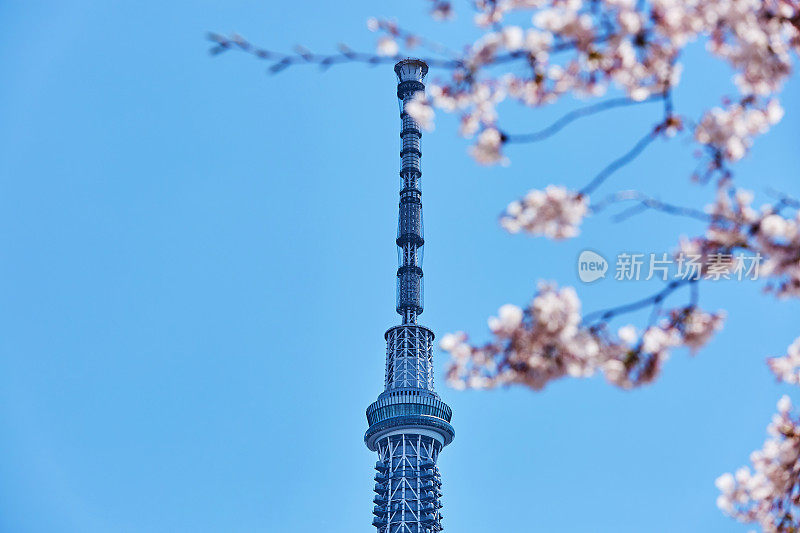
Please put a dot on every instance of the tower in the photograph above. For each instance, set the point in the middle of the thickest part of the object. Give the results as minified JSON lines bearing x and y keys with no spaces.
{"x":408,"y":424}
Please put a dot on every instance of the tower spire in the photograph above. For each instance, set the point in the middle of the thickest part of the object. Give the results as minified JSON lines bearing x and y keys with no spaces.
{"x":409,"y":424}
{"x":410,"y":77}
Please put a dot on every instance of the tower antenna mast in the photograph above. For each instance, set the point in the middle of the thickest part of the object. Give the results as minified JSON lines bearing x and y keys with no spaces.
{"x":409,"y":424}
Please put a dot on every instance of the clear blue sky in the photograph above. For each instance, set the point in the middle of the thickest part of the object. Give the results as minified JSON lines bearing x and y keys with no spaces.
{"x":198,"y":268}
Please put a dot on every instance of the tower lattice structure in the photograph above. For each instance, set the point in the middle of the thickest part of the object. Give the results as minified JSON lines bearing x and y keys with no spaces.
{"x":409,"y":424}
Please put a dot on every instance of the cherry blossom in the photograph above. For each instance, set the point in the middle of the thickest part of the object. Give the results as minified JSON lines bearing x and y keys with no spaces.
{"x":554,"y":212}
{"x":768,"y":491}
{"x":787,"y":367}
{"x":387,"y":46}
{"x":731,"y":130}
{"x":421,"y":111}
{"x":632,"y":46}
{"x":441,"y":10}
{"x":487,"y":150}
{"x":548,"y":340}
{"x":765,"y":233}
{"x":585,"y":49}
{"x":698,"y":328}
{"x":777,"y":238}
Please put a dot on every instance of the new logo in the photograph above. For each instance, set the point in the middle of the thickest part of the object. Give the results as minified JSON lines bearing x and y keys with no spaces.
{"x":591,"y":266}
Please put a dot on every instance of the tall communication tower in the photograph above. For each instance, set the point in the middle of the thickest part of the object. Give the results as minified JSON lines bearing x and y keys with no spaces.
{"x":409,"y":424}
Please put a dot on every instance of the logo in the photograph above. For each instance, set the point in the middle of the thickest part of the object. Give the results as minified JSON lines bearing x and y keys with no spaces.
{"x":591,"y":266}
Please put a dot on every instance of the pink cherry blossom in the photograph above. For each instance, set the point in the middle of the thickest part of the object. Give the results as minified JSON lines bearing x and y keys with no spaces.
{"x":768,"y":491}
{"x":765,"y":233}
{"x":554,"y":212}
{"x":787,"y":367}
{"x":731,"y":130}
{"x":488,"y":148}
{"x":421,"y":111}
{"x":387,"y":46}
{"x":547,"y":341}
{"x":629,"y":45}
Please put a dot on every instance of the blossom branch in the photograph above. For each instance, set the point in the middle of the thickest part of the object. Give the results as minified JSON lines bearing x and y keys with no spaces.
{"x":768,"y":491}
{"x":549,"y":340}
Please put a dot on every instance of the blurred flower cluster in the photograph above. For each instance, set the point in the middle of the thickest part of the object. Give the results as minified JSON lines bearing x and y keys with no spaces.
{"x":548,"y":340}
{"x":768,"y":492}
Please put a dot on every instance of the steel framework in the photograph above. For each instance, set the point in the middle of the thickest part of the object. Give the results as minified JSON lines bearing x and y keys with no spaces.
{"x":409,"y":424}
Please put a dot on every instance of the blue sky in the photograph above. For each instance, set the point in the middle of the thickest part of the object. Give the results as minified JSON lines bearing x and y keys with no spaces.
{"x":198,"y":269}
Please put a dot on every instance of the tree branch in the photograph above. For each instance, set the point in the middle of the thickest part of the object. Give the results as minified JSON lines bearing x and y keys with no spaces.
{"x":279,"y":61}
{"x":572,"y":116}
{"x":654,"y":299}
{"x":645,"y":202}
{"x":615,"y":165}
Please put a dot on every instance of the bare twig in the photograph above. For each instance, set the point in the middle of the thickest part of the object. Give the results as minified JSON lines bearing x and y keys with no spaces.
{"x":784,"y":200}
{"x":645,"y":202}
{"x":572,"y":116}
{"x":280,"y":61}
{"x":411,"y":39}
{"x":615,"y":165}
{"x":654,"y":299}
